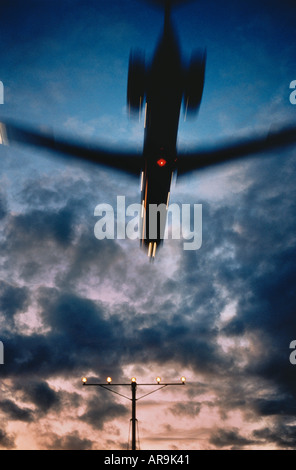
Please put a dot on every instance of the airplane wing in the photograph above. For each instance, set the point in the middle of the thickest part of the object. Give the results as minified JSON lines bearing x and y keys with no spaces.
{"x":234,"y":150}
{"x":128,"y":162}
{"x":132,"y":163}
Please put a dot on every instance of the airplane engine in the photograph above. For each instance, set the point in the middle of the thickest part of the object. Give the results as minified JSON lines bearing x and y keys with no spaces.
{"x":194,"y":82}
{"x":136,"y":81}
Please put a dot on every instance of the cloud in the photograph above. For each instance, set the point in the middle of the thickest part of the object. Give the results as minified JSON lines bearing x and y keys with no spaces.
{"x":14,"y":412}
{"x":189,"y":408}
{"x":230,"y":438}
{"x":6,"y":440}
{"x":43,"y":225}
{"x":101,"y":409}
{"x":280,"y":435}
{"x":13,"y":299}
{"x":3,"y":207}
{"x":70,"y":441}
{"x":42,"y":396}
{"x":78,"y":330}
{"x":284,"y":405}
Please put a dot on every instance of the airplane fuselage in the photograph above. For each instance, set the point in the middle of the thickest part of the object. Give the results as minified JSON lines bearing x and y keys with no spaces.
{"x":162,"y":110}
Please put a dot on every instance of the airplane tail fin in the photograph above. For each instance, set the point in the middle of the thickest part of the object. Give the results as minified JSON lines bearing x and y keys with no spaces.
{"x":167,"y":6}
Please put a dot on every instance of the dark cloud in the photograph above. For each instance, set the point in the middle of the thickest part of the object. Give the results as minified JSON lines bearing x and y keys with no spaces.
{"x":42,"y":225}
{"x":230,"y":438}
{"x":36,"y":195}
{"x":42,"y":396}
{"x":101,"y":408}
{"x":13,"y":300}
{"x":78,"y":332}
{"x":55,"y":227}
{"x":282,"y":436}
{"x":6,"y":440}
{"x":70,"y":441}
{"x":283,"y":406}
{"x":182,"y":340}
{"x":25,"y":354}
{"x":29,"y":270}
{"x":14,"y":412}
{"x":191,"y":409}
{"x":3,"y":207}
{"x":89,"y":257}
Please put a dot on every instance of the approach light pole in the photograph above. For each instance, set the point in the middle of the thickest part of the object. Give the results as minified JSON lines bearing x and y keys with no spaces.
{"x":134,"y":398}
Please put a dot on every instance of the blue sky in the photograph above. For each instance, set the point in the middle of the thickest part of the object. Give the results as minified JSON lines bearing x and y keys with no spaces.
{"x":71,"y":305}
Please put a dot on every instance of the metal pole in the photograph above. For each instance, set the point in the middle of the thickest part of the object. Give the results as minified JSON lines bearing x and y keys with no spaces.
{"x":133,"y":399}
{"x":134,"y":388}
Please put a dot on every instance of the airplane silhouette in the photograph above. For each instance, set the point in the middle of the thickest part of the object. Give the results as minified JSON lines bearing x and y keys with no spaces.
{"x":159,"y":88}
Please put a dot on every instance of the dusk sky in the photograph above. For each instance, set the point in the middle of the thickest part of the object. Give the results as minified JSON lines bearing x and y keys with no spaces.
{"x":72,"y":305}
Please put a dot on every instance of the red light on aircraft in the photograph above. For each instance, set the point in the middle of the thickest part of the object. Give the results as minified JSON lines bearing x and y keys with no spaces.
{"x":161,"y":162}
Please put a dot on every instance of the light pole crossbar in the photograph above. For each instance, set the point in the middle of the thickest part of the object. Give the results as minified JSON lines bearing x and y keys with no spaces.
{"x":134,"y":399}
